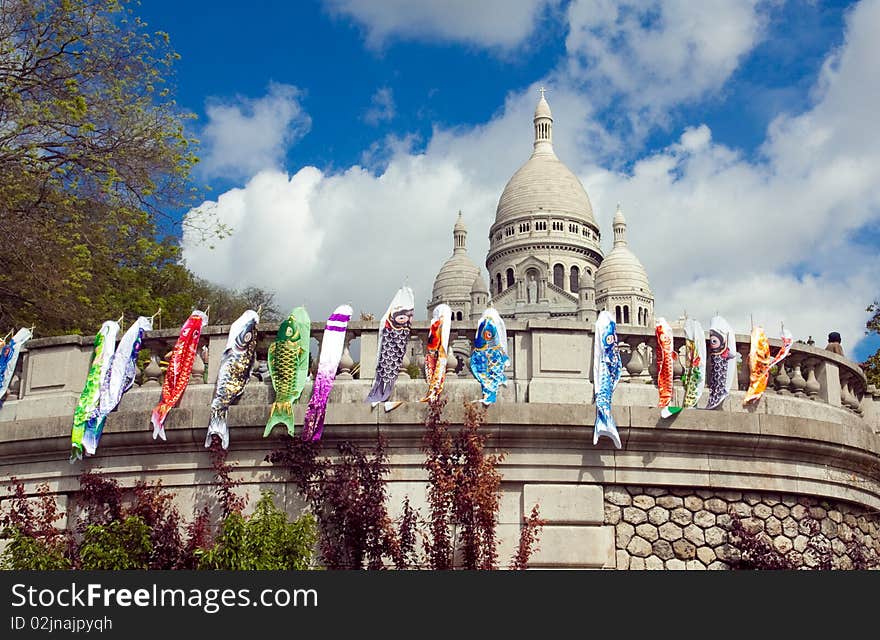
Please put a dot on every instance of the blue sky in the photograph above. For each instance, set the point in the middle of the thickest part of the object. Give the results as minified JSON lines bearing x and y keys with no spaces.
{"x":343,"y":136}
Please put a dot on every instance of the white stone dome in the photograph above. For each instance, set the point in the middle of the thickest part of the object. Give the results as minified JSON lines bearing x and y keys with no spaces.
{"x":621,"y":272}
{"x":456,"y":277}
{"x":479,"y":285}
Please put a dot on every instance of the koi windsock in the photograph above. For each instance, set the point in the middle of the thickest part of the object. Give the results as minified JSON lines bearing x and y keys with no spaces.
{"x":332,"y":346}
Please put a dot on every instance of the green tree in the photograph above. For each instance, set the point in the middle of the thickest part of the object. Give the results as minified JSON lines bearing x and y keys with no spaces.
{"x":120,"y":544}
{"x":266,"y":540}
{"x":871,"y":365}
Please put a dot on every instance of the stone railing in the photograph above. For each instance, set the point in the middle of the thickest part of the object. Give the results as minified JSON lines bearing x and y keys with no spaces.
{"x":550,"y":362}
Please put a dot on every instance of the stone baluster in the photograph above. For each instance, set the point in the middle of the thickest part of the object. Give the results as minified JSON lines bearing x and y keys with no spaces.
{"x":652,"y":367}
{"x":151,"y":375}
{"x":636,"y":363}
{"x":811,"y":388}
{"x":744,"y":375}
{"x":677,"y":368}
{"x":798,"y":383}
{"x":345,"y":363}
{"x":197,"y":375}
{"x":782,"y":380}
{"x":626,"y":355}
{"x":451,"y":366}
{"x":404,"y":375}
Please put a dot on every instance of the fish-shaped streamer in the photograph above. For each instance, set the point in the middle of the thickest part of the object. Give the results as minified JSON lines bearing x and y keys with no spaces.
{"x":664,"y":357}
{"x":179,"y":369}
{"x":236,"y":366}
{"x":694,"y":377}
{"x":436,"y":351}
{"x":489,"y":357}
{"x":118,"y":379}
{"x":606,"y":374}
{"x":394,"y":331}
{"x":332,"y":346}
{"x":722,"y":361}
{"x":760,"y":362}
{"x":289,"y":367}
{"x":89,"y":400}
{"x":9,"y":358}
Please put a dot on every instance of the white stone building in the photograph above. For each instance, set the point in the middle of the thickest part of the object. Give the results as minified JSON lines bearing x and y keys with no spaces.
{"x":545,"y":259}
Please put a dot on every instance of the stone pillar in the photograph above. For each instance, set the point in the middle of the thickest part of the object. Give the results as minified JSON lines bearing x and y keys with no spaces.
{"x":369,"y":344}
{"x":216,"y":346}
{"x":828,"y":375}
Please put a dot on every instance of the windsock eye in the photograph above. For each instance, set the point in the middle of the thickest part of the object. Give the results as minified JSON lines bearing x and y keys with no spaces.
{"x":289,"y":332}
{"x":487,"y":335}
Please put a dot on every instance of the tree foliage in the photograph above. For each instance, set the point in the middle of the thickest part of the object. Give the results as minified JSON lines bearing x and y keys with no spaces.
{"x":871,"y":365}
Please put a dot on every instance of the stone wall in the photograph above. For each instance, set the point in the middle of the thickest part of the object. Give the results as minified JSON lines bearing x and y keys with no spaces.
{"x":661,"y":528}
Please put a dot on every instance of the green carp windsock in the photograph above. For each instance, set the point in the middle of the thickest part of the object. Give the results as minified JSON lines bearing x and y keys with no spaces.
{"x":332,"y":346}
{"x":236,"y":366}
{"x":393,"y":337}
{"x":436,"y":351}
{"x":89,"y":399}
{"x":722,"y":361}
{"x":9,"y":357}
{"x":289,"y":367}
{"x":118,"y":379}
{"x":694,"y":376}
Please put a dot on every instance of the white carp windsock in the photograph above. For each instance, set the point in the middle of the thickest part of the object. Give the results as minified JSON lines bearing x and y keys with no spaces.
{"x":694,"y":377}
{"x":88,"y":406}
{"x":332,"y":346}
{"x":606,"y":374}
{"x":393,"y":337}
{"x":722,"y":361}
{"x":118,"y":379}
{"x":9,"y":357}
{"x":436,"y":351}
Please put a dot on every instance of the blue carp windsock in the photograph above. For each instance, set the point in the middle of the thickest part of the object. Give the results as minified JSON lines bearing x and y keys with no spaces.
{"x":489,"y":357}
{"x":332,"y":346}
{"x":236,"y":366}
{"x":664,"y":358}
{"x":118,"y":379}
{"x":606,"y":374}
{"x":722,"y":361}
{"x":179,"y":369}
{"x":289,"y":367}
{"x":760,"y":362}
{"x":436,"y":351}
{"x":694,"y":376}
{"x":89,"y":399}
{"x":393,"y":337}
{"x":9,"y":357}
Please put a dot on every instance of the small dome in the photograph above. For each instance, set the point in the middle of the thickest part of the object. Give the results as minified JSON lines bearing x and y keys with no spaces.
{"x":459,"y":224}
{"x":586,"y":280}
{"x":479,"y":285}
{"x":543,"y":108}
{"x":622,"y":272}
{"x":618,"y":216}
{"x":455,"y":279}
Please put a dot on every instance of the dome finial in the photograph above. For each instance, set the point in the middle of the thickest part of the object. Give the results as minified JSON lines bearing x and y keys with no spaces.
{"x":459,"y":235}
{"x":619,"y":227}
{"x":541,"y":91}
{"x":543,"y":125}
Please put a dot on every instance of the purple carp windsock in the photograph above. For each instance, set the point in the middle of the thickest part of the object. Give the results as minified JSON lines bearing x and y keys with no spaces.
{"x":289,"y":367}
{"x":118,"y":379}
{"x":760,"y":362}
{"x":89,"y":400}
{"x":489,"y":357}
{"x":606,"y":374}
{"x":179,"y":369}
{"x":722,"y":361}
{"x":664,"y":358}
{"x":236,"y":366}
{"x":332,"y":346}
{"x":9,"y":357}
{"x":394,"y":331}
{"x":694,"y":376}
{"x":436,"y":351}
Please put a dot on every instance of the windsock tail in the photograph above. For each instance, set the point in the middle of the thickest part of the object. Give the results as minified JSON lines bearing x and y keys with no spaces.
{"x":92,"y":434}
{"x":158,"y":420}
{"x":76,"y":453}
{"x":281,"y":412}
{"x":489,"y":397}
{"x":313,"y":426}
{"x":668,"y":412}
{"x":217,"y":427}
{"x":605,"y":426}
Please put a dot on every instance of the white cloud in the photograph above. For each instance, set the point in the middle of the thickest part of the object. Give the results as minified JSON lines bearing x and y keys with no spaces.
{"x":487,"y":23}
{"x":659,"y":53}
{"x":771,"y":236}
{"x":381,"y":107}
{"x":245,"y":135}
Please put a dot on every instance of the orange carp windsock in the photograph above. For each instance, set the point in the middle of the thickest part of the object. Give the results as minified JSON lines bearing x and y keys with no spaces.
{"x":179,"y":369}
{"x":664,"y":356}
{"x":760,"y":362}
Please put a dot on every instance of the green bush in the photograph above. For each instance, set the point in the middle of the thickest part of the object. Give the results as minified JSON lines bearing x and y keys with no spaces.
{"x":25,"y":552}
{"x":266,"y":540}
{"x":121,"y":544}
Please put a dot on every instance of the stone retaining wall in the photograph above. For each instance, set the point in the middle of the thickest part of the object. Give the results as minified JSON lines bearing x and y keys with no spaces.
{"x":661,"y":528}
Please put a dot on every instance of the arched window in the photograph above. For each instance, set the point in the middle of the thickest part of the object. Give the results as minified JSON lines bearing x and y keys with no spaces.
{"x":559,"y":275}
{"x":626,"y":314}
{"x":498,"y":288}
{"x":617,"y":314}
{"x":509,"y":278}
{"x":458,"y":315}
{"x":574,"y":276}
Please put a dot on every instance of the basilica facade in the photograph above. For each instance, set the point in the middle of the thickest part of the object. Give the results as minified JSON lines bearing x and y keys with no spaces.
{"x":545,"y":256}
